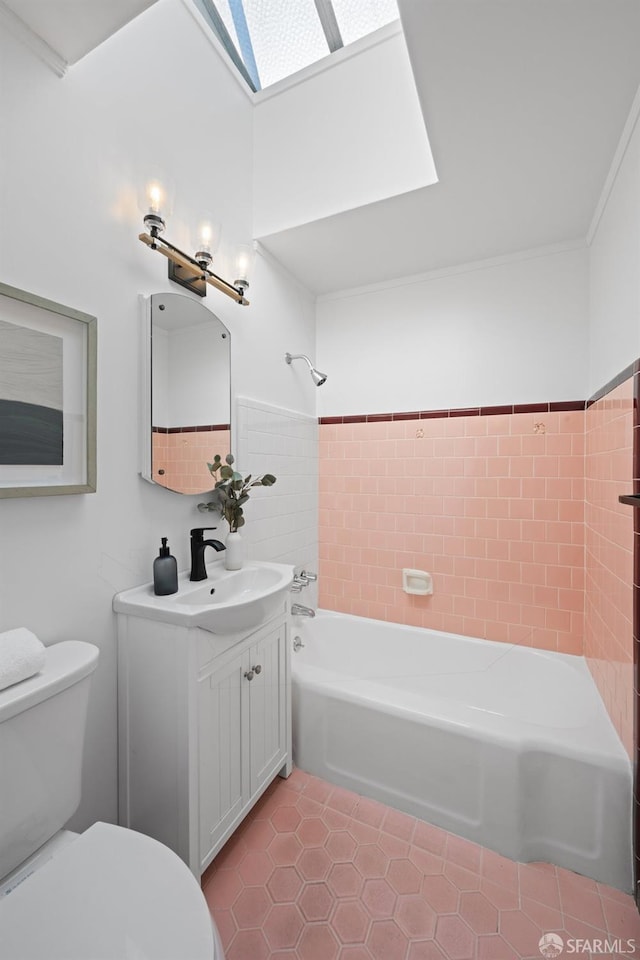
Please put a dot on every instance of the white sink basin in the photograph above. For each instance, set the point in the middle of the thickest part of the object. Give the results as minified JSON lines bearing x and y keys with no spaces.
{"x":228,"y":601}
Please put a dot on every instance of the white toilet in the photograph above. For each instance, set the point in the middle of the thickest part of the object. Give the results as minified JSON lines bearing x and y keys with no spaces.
{"x":107,"y":894}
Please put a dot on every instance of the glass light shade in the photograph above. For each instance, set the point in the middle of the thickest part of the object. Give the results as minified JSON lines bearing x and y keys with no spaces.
{"x":242,"y":264}
{"x":208,"y":236}
{"x":155,"y":197}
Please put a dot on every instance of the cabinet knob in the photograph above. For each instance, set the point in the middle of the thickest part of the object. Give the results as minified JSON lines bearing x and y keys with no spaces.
{"x":249,"y":674}
{"x":257,"y":669}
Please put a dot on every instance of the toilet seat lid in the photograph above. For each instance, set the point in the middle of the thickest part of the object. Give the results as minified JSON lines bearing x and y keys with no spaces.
{"x":112,"y":894}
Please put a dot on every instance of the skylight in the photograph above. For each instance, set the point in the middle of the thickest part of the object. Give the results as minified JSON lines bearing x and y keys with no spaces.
{"x":269,"y":40}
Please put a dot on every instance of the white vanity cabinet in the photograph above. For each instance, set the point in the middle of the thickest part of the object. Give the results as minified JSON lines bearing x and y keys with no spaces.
{"x":204,"y":727}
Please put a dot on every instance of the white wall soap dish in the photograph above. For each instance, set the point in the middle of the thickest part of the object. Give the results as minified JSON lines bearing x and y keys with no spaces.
{"x":417,"y":582}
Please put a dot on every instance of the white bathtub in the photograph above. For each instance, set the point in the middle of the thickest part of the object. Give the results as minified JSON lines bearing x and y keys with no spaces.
{"x":507,"y":746}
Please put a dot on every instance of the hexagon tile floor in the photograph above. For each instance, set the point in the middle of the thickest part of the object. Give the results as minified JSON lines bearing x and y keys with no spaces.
{"x":318,"y":873}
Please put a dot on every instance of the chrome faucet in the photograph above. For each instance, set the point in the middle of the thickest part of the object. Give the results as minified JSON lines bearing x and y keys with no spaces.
{"x":198,"y":546}
{"x":299,"y":610}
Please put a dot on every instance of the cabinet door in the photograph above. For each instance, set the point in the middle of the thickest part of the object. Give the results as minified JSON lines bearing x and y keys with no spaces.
{"x":267,"y":703}
{"x":222,"y":719}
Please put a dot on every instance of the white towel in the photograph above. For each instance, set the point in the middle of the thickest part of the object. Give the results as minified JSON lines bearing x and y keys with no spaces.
{"x":21,"y":655}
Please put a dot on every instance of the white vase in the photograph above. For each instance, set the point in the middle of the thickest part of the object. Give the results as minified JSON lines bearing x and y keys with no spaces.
{"x":234,"y":552}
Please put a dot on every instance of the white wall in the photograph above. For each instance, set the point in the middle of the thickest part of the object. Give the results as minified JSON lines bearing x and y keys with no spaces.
{"x":72,"y":151}
{"x":497,"y":333}
{"x":340,"y":138}
{"x":615,"y":271}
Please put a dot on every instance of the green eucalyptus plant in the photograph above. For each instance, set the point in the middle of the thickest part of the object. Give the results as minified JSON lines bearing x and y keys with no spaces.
{"x":231,"y":491}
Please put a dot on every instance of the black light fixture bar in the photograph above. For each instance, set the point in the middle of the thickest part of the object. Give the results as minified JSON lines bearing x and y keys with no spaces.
{"x":186,"y":271}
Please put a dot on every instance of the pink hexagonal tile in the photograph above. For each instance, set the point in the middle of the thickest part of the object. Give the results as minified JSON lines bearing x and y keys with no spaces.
{"x":312,"y":832}
{"x":371,"y":861}
{"x":404,"y":877}
{"x":223,"y":888}
{"x":429,"y":838}
{"x":369,"y":811}
{"x":379,"y":899}
{"x":317,"y":943}
{"x":226,"y":925}
{"x":622,"y":918}
{"x":334,"y":819}
{"x":521,"y":932}
{"x":342,"y":800}
{"x":340,"y":846}
{"x":610,"y":893}
{"x":362,"y":832}
{"x":316,"y":901}
{"x":497,"y":869}
{"x":318,"y":790}
{"x":298,"y":780}
{"x":255,"y":867}
{"x":285,"y":819}
{"x":283,"y":926}
{"x":249,"y":943}
{"x":350,"y":922}
{"x":493,"y":947}
{"x":344,"y":880}
{"x":415,"y":917}
{"x":440,"y":894}
{"x":462,"y":878}
{"x":455,"y":938}
{"x":580,"y":899}
{"x":429,"y":864}
{"x":308,"y":807}
{"x":544,"y":917}
{"x":232,"y":852}
{"x":476,"y":910}
{"x":284,"y":884}
{"x":395,"y":849}
{"x":314,"y":864}
{"x":425,"y":950}
{"x":258,"y":834}
{"x":463,"y":852}
{"x":354,"y":953}
{"x":386,"y":941}
{"x":251,"y":907}
{"x":284,"y":849}
{"x":537,"y":884}
{"x":499,"y":896}
{"x":398,"y":824}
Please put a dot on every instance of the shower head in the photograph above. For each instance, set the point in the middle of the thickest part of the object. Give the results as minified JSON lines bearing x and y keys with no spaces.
{"x":317,"y":377}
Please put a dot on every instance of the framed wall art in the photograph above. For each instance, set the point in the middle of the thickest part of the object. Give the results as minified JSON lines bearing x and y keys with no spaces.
{"x":48,"y":356}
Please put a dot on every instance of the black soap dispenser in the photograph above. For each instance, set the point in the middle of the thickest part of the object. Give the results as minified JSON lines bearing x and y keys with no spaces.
{"x":165,"y":572}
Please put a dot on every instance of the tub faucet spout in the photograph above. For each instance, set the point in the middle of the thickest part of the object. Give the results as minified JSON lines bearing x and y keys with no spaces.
{"x":198,"y":546}
{"x":299,"y":610}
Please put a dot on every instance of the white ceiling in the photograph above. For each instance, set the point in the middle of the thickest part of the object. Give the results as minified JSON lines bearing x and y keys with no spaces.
{"x":74,"y":27}
{"x":524,"y":102}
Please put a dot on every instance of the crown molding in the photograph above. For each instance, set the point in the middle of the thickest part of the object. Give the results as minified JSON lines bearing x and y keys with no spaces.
{"x":32,"y":40}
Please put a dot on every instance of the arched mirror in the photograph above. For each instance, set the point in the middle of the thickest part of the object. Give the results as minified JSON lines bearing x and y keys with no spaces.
{"x":186,"y":416}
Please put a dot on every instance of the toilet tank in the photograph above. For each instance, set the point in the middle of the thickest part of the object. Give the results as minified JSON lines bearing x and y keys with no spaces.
{"x":42,"y":726}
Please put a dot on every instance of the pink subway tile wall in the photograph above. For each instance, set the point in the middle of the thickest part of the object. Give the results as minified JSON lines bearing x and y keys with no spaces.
{"x":184,"y":458}
{"x":609,"y":554}
{"x":492,"y":506}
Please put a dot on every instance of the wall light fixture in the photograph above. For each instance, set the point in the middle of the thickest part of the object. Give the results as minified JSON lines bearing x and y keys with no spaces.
{"x":192,"y":272}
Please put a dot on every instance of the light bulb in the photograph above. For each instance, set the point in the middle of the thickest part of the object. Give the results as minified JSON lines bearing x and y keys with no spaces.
{"x":208,"y":238}
{"x":155,"y":202}
{"x":243,"y":262}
